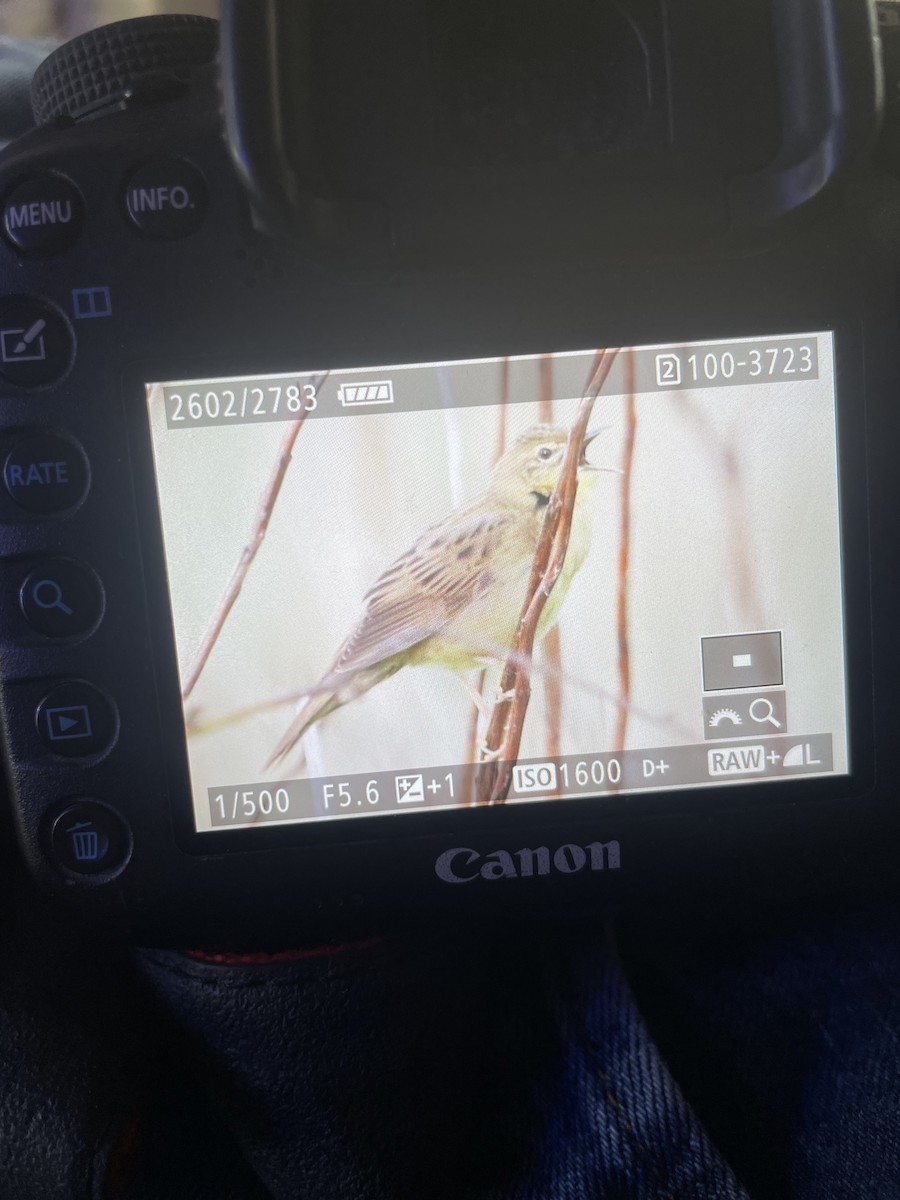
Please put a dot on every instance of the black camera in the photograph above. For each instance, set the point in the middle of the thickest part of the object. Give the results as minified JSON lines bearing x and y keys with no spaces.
{"x":469,"y":484}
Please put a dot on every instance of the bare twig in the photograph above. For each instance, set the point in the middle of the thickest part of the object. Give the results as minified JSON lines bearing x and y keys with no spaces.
{"x":468,"y":780}
{"x":552,"y":650}
{"x":504,"y":734}
{"x":624,"y":557}
{"x":545,"y":389}
{"x":263,"y":516}
{"x":198,"y":725}
{"x":552,"y":647}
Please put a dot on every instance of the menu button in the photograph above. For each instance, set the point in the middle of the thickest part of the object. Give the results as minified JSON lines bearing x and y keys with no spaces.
{"x":43,"y":215}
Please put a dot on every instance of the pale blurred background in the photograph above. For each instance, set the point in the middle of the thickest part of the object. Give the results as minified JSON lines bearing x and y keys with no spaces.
{"x":64,"y":19}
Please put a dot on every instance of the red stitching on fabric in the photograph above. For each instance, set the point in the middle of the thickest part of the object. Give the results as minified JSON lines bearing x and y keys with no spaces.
{"x":263,"y":958}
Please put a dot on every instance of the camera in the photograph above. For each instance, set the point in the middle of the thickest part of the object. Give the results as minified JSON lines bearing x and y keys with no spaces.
{"x":487,"y":523}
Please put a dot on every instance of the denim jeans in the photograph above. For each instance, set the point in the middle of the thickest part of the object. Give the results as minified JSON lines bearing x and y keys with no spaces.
{"x":519,"y":1064}
{"x":664,"y":1057}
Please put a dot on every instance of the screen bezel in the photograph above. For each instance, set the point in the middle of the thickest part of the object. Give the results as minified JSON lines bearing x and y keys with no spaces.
{"x":435,"y":826}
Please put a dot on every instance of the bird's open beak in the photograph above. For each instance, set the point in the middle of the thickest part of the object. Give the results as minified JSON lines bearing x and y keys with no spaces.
{"x":589,"y":437}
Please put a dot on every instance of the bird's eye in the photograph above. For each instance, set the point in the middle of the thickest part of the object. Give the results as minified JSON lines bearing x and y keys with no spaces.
{"x":545,"y":452}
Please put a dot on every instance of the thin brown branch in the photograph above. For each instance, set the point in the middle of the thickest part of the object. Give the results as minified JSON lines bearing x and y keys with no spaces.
{"x":504,"y":733}
{"x":552,"y":650}
{"x":545,"y":389}
{"x":199,"y":725}
{"x":500,"y":448}
{"x":468,"y":780}
{"x":552,"y":647}
{"x":624,"y":560}
{"x":261,"y":524}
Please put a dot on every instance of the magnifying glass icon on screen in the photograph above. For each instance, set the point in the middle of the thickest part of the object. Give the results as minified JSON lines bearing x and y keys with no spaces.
{"x":762,"y":711}
{"x":47,"y":593}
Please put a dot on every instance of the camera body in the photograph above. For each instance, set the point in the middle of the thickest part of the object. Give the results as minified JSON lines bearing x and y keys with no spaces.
{"x":132,"y":261}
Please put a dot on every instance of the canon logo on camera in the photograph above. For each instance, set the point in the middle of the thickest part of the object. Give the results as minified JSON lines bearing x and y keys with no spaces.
{"x":463,"y":865}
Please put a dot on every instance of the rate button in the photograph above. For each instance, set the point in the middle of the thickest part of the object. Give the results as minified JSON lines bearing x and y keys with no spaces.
{"x":45,"y":473}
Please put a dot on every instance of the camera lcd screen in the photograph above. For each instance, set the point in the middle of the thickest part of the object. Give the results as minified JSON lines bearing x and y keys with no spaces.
{"x":350,"y":554}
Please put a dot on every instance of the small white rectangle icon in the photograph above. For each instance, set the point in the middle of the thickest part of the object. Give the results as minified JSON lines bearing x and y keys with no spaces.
{"x":535,"y":777}
{"x":409,"y":789}
{"x":742,"y":660}
{"x":352,"y":394}
{"x":736,"y":760}
{"x":668,"y":370}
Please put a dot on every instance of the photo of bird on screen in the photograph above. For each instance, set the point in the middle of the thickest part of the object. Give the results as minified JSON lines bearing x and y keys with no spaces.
{"x":546,"y":539}
{"x":454,"y":598}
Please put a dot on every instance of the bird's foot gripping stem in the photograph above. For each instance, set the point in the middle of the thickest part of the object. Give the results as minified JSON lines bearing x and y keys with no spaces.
{"x":486,"y":755}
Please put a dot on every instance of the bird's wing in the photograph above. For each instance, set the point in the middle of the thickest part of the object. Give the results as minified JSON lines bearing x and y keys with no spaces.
{"x":448,"y":567}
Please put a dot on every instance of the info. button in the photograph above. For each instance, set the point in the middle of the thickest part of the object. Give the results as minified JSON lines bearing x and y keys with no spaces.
{"x":742,"y":660}
{"x":166,"y":198}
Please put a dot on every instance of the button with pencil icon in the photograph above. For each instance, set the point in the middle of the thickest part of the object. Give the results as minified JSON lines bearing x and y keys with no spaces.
{"x":36,"y":344}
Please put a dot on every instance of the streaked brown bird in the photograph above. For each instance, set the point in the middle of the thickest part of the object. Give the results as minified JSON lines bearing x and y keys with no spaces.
{"x":455,"y":597}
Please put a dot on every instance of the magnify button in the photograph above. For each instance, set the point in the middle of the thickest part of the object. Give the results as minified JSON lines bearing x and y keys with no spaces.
{"x":762,"y":710}
{"x":61,"y":598}
{"x":47,"y":593}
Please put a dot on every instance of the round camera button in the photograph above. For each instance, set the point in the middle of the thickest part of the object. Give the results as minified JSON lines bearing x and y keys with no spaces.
{"x":43,"y":215}
{"x":76,"y":720}
{"x":166,"y":198}
{"x":45,"y":473}
{"x":89,"y":838}
{"x":37,"y":345}
{"x":61,"y":598}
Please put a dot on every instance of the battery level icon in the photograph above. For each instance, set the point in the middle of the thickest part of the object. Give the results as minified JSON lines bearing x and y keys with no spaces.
{"x":380,"y":392}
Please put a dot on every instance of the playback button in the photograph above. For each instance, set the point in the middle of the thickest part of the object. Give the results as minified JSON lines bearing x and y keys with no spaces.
{"x":76,"y":719}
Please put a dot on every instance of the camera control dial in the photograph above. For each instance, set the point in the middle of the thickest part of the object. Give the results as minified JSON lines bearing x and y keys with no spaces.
{"x":104,"y":67}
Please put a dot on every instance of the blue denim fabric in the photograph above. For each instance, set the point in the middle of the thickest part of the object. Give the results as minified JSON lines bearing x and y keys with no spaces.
{"x":786,"y":1038}
{"x":723,"y":1060}
{"x":619,"y":1126}
{"x":507,"y":1067}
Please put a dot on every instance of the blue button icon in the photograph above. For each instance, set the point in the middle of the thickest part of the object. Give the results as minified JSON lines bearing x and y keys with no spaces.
{"x":68,"y":723}
{"x":88,"y":843}
{"x":91,"y":302}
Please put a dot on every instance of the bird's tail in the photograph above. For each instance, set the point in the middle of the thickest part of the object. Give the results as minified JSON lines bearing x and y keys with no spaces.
{"x":315,"y":708}
{"x":323,"y":702}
